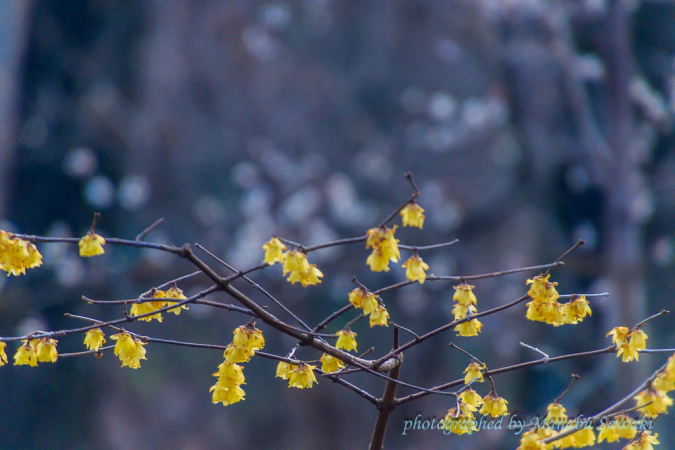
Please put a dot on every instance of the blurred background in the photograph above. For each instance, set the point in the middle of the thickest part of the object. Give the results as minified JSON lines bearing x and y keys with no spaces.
{"x":528,"y":124}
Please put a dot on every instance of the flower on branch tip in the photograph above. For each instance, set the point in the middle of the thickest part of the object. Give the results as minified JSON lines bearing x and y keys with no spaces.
{"x":412,"y":215}
{"x":415,"y":269}
{"x":653,"y":402}
{"x":249,"y":338}
{"x":643,"y":442}
{"x":556,"y":414}
{"x":283,"y":368}
{"x":471,"y":399}
{"x":469,"y":328}
{"x":330,"y":364}
{"x":91,"y":245}
{"x":274,"y":251}
{"x":531,"y":441}
{"x":26,"y":354}
{"x":17,"y":255}
{"x":46,"y":350}
{"x":379,"y":316}
{"x":385,"y":248}
{"x":579,"y":308}
{"x":296,"y":265}
{"x":346,"y":340}
{"x":129,"y":350}
{"x":302,"y":376}
{"x":636,"y":343}
{"x":3,"y":355}
{"x":464,"y":294}
{"x":461,"y":422}
{"x":494,"y":406}
{"x":176,"y":294}
{"x":94,"y":339}
{"x":474,"y":370}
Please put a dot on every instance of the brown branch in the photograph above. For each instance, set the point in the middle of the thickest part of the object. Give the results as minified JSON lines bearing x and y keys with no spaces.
{"x":415,"y":194}
{"x":145,"y":232}
{"x":386,"y":405}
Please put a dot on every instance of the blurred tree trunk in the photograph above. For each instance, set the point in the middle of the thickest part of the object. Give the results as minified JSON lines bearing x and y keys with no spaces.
{"x":13,"y":37}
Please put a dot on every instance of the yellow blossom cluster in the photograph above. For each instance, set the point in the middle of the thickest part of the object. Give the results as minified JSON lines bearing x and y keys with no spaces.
{"x":494,"y":405}
{"x":17,"y":255}
{"x":628,"y":343}
{"x":466,"y":300}
{"x":346,"y":340}
{"x":300,"y":376}
{"x":474,"y":371}
{"x":294,"y":262}
{"x":643,"y":442}
{"x":412,"y":215}
{"x":94,"y":339}
{"x":621,"y":426}
{"x":532,"y":441}
{"x":460,"y":421}
{"x":415,"y":269}
{"x":654,"y":400}
{"x":33,"y":351}
{"x":129,"y":349}
{"x":91,"y":245}
{"x":367,"y":301}
{"x":173,"y":293}
{"x":274,"y":251}
{"x":385,"y":248}
{"x":246,"y":341}
{"x":545,"y":307}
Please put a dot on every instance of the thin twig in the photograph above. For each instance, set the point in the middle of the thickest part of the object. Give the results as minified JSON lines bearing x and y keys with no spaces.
{"x":145,"y":232}
{"x":546,"y":357}
{"x":415,"y":194}
{"x":658,"y":314}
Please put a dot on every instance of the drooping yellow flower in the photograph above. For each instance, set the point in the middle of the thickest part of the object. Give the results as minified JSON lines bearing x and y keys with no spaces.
{"x":229,"y":375}
{"x":385,"y":248}
{"x":568,"y":441}
{"x":556,"y":414}
{"x":129,"y":350}
{"x":464,"y":295}
{"x":94,"y":339}
{"x":379,"y":316}
{"x":46,"y":350}
{"x":460,"y":311}
{"x":579,"y":308}
{"x":655,"y":402}
{"x":663,"y":382}
{"x":91,"y":245}
{"x":296,"y":265}
{"x":26,"y":355}
{"x":415,"y":269}
{"x":236,"y":354}
{"x":346,"y":340}
{"x":412,"y":215}
{"x":329,"y":364}
{"x":619,"y":336}
{"x":138,"y":309}
{"x":474,"y":370}
{"x":274,"y":251}
{"x":585,"y":437}
{"x":249,"y":338}
{"x":356,"y":297}
{"x":471,"y":399}
{"x":461,"y":422}
{"x":3,"y":355}
{"x":283,"y":368}
{"x":227,"y":396}
{"x":494,"y":406}
{"x":542,"y":291}
{"x":469,"y":328}
{"x":545,"y":433}
{"x":17,"y":255}
{"x":530,"y":441}
{"x":176,"y":294}
{"x":643,"y":442}
{"x":621,"y":426}
{"x":636,"y":343}
{"x":302,"y":376}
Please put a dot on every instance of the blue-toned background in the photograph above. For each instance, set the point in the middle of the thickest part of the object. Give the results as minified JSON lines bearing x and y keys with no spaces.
{"x":528,"y":125}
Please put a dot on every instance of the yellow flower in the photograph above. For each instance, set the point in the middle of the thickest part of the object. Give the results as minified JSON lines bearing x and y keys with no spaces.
{"x":94,"y":339}
{"x":474,"y":370}
{"x":248,"y":337}
{"x":330,"y":364}
{"x":460,"y":311}
{"x":619,"y":336}
{"x":3,"y":355}
{"x":236,"y":354}
{"x":530,"y":441}
{"x":655,"y":402}
{"x":363,"y":300}
{"x":91,"y":245}
{"x":556,"y":414}
{"x":356,"y":297}
{"x":17,"y":255}
{"x":621,"y":426}
{"x":579,"y":308}
{"x":468,"y":329}
{"x":460,"y":423}
{"x":415,"y":269}
{"x":46,"y":350}
{"x":283,"y":368}
{"x":227,"y":396}
{"x":274,"y":251}
{"x":299,"y":269}
{"x":346,"y":340}
{"x":544,"y":433}
{"x":643,"y":442}
{"x":412,"y":215}
{"x":494,"y":406}
{"x":663,"y":382}
{"x":637,"y":342}
{"x":177,"y":294}
{"x":138,"y":309}
{"x":26,"y":355}
{"x":302,"y":376}
{"x":568,"y":441}
{"x":379,"y":316}
{"x":385,"y":248}
{"x":471,"y":399}
{"x":585,"y":437}
{"x":464,"y":295}
{"x":129,"y":350}
{"x":229,"y":375}
{"x":542,"y":290}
